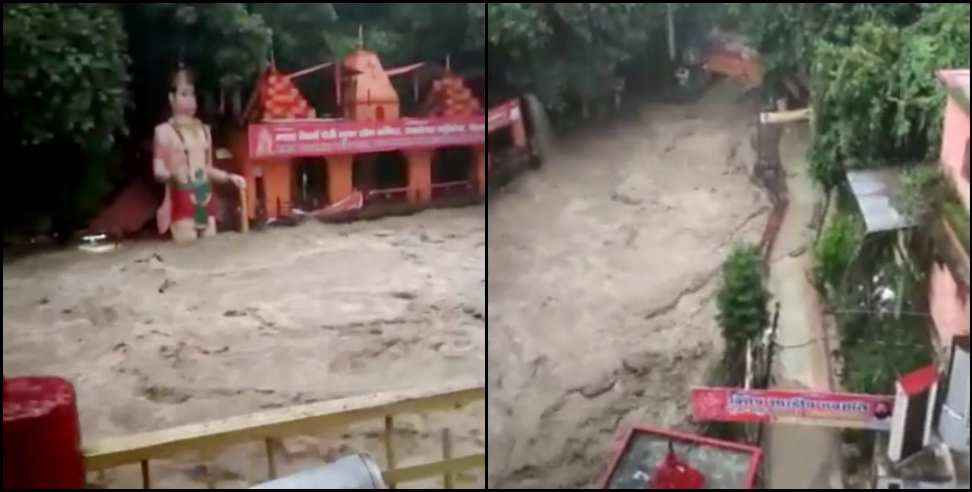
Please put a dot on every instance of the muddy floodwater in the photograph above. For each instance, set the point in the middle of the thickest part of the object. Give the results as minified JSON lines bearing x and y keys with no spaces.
{"x":603,"y":268}
{"x":157,"y":335}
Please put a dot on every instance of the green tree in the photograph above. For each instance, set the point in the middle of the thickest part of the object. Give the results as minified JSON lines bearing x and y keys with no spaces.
{"x":743,"y":298}
{"x":567,"y":52}
{"x":300,"y":31}
{"x":870,"y":67}
{"x":939,"y":39}
{"x":65,"y":78}
{"x":65,"y":71}
{"x":224,"y":44}
{"x":853,"y":103}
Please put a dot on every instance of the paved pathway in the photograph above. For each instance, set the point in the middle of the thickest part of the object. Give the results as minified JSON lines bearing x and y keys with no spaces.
{"x":799,"y":457}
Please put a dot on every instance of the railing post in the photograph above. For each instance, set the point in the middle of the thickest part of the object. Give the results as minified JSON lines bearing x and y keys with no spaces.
{"x":447,"y":455}
{"x":389,"y":451}
{"x":210,"y":483}
{"x":271,"y":460}
{"x":205,"y":458}
{"x":146,"y":478}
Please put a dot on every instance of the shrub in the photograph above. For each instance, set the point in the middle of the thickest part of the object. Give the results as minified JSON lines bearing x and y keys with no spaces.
{"x":836,"y":249}
{"x":924,"y":188}
{"x":743,"y":298}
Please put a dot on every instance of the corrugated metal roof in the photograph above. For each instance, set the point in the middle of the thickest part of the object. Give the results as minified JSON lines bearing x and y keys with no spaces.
{"x":876,"y":192}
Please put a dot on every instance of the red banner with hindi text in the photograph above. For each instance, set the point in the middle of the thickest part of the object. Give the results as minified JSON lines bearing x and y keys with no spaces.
{"x":840,"y":410}
{"x":503,"y":116}
{"x":312,"y":138}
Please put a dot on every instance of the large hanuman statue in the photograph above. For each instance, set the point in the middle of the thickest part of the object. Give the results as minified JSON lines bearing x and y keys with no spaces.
{"x":183,"y":161}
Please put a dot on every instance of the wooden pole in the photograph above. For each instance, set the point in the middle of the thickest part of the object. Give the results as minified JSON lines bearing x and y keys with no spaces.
{"x":271,"y":459}
{"x":779,"y":117}
{"x":389,"y":450}
{"x":337,"y":86}
{"x":415,"y":85}
{"x":309,"y":70}
{"x":146,"y":477}
{"x":244,"y":212}
{"x":771,"y":348}
{"x":448,"y":479}
{"x":749,"y":365}
{"x":210,"y":483}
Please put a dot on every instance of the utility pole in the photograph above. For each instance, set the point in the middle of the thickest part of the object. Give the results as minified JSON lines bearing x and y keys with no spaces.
{"x":670,"y":15}
{"x":273,"y":57}
{"x":771,"y":348}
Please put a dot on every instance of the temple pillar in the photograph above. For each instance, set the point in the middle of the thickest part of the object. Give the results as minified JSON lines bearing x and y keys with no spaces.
{"x":419,"y":176}
{"x":519,"y":134}
{"x":479,"y":158}
{"x":339,"y":177}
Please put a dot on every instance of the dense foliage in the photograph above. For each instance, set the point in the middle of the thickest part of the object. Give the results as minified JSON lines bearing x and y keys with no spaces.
{"x":65,"y":93}
{"x":65,"y":71}
{"x":878,"y":307}
{"x":79,"y":76}
{"x":871,"y":69}
{"x":743,"y":298}
{"x":839,"y":242}
{"x":924,"y":188}
{"x":743,"y":314}
{"x":567,"y":52}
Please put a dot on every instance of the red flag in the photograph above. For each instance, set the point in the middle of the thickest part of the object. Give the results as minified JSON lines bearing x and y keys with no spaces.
{"x":673,"y":473}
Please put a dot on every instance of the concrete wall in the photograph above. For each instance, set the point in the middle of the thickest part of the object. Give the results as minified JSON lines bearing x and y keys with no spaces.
{"x":954,"y":144}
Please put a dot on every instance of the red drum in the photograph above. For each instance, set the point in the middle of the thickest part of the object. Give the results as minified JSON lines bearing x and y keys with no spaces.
{"x":41,"y":435}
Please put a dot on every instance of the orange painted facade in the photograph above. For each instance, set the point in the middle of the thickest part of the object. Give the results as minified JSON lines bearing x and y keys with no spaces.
{"x":735,"y":66}
{"x":367,"y":96}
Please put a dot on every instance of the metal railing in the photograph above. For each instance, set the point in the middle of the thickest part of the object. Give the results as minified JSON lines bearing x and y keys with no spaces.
{"x":273,"y":425}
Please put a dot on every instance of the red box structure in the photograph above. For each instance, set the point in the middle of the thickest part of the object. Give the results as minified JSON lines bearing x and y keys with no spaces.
{"x":739,"y":463}
{"x":41,"y":435}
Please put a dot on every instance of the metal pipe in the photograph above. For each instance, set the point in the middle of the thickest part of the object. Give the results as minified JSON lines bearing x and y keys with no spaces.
{"x":353,"y":472}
